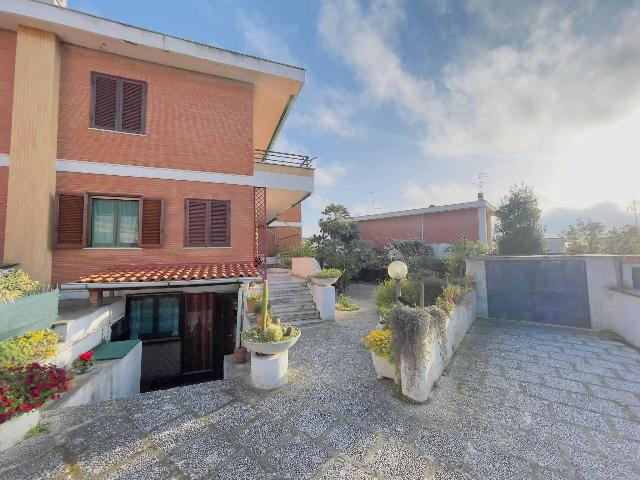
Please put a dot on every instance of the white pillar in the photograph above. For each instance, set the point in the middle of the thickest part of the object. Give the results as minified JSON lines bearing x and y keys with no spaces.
{"x":269,"y":372}
{"x":482,"y":226}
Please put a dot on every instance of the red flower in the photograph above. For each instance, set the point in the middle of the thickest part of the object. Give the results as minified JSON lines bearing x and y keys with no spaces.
{"x":86,"y":356}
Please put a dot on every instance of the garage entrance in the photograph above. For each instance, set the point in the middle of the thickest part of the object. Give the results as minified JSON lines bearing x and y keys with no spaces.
{"x":536,"y":290}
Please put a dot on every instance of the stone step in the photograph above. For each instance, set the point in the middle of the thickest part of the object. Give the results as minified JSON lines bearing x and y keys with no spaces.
{"x":293,"y":307}
{"x":293,"y":298}
{"x":286,"y":287}
{"x":299,"y":317}
{"x":305,"y":323}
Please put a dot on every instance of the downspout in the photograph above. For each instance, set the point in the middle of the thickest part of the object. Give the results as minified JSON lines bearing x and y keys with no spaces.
{"x":276,"y":132}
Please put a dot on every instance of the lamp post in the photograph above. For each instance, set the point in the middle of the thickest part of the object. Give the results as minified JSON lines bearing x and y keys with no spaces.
{"x":398,"y":271}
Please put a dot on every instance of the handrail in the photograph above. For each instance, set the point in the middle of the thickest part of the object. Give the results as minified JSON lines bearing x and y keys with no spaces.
{"x":282,"y":158}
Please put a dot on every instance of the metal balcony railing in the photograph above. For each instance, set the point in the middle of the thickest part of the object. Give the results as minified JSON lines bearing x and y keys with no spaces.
{"x":282,"y":158}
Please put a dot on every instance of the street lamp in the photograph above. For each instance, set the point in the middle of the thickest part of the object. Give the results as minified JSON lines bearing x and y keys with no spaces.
{"x":398,"y":271}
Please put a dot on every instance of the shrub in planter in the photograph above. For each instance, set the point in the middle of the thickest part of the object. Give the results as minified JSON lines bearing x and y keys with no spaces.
{"x":412,"y":330}
{"x":31,"y":347}
{"x":379,"y":342}
{"x":23,"y":389}
{"x":15,"y":284}
{"x":327,"y":273}
{"x":385,"y":295}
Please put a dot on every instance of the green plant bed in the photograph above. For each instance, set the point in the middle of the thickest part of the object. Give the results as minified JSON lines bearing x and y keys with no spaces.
{"x":327,"y":273}
{"x":345,"y":304}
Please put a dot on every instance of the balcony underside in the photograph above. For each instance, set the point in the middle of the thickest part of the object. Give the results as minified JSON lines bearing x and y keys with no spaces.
{"x":286,"y":185}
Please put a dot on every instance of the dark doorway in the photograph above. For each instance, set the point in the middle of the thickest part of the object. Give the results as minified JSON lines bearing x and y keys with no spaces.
{"x":197,"y":339}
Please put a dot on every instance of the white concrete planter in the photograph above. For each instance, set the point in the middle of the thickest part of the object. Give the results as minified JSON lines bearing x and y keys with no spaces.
{"x":384,"y":368}
{"x":13,"y":430}
{"x":324,"y":282}
{"x":419,"y":388}
{"x":269,"y":372}
{"x":269,"y":348}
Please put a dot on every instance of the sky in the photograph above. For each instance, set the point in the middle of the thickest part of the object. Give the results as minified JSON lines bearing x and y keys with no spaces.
{"x":407,"y":102}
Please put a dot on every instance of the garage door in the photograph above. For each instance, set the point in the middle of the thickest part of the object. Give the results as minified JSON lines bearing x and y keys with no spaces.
{"x":545,"y":291}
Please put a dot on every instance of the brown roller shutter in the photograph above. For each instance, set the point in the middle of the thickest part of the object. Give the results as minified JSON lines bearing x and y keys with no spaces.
{"x":71,"y":220}
{"x":105,"y":101}
{"x":196,"y":223}
{"x":133,"y":106}
{"x":152,"y":222}
{"x":219,"y":224}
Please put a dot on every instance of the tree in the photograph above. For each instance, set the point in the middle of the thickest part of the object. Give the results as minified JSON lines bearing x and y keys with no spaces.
{"x":585,"y":237}
{"x":624,"y":240}
{"x":518,"y":228}
{"x":336,"y":223}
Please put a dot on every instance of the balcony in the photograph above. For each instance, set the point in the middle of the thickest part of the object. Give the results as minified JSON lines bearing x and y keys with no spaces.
{"x":288,"y":178}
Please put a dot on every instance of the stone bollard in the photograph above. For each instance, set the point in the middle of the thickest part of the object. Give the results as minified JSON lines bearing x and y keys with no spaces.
{"x":269,"y":372}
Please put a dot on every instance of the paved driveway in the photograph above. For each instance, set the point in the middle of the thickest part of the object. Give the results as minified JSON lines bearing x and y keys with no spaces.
{"x":519,"y":401}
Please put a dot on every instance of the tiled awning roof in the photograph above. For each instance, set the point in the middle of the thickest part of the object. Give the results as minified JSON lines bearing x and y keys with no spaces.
{"x":172,"y":272}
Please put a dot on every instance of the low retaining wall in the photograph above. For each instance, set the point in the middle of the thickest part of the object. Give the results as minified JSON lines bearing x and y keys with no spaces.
{"x":33,"y":312}
{"x":108,"y":380}
{"x":460,"y":320}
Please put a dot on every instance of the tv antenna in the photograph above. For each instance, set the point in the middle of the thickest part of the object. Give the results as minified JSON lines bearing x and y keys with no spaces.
{"x":482,"y":181}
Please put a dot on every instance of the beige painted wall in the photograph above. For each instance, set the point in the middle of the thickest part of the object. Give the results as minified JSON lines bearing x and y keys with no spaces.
{"x":32,"y":172}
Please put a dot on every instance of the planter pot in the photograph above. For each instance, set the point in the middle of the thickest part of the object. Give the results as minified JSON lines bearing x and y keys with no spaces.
{"x":240,"y":355}
{"x":80,"y":371}
{"x":250,"y":306}
{"x":14,"y":429}
{"x":324,"y":282}
{"x":384,"y":368}
{"x":68,"y":384}
{"x":269,"y":372}
{"x":270,"y":348}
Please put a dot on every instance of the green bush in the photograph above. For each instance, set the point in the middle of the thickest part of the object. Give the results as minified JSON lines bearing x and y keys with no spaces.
{"x":345,"y":304}
{"x":31,"y":347}
{"x":385,"y":294}
{"x":456,"y":253}
{"x":16,"y":284}
{"x":304,"y":249}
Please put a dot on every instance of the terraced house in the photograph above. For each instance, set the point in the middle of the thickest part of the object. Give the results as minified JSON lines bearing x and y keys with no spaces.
{"x":140,"y":165}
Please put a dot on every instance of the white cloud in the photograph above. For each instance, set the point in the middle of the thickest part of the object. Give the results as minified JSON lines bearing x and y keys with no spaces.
{"x":262,"y":41}
{"x":530,"y":80}
{"x":415,"y":196}
{"x":328,"y":172}
{"x":318,"y":201}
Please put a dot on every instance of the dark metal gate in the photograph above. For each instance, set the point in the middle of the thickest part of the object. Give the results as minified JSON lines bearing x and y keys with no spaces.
{"x":545,"y":291}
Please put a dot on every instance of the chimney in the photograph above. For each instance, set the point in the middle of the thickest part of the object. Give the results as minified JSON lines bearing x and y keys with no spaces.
{"x":480,"y":196}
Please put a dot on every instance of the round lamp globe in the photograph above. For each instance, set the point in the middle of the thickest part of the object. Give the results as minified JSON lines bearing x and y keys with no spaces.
{"x":398,"y":270}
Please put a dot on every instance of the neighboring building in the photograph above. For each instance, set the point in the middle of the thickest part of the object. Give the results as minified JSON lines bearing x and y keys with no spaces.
{"x":138,"y":163}
{"x":554,"y":245}
{"x":438,"y":225}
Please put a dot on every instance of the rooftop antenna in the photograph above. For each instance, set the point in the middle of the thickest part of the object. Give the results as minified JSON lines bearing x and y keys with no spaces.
{"x":373,"y":202}
{"x":482,"y":180}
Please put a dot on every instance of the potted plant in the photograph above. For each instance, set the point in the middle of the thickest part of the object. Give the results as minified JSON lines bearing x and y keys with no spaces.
{"x":240,"y":355}
{"x":269,"y":337}
{"x":252,"y":299}
{"x":84,"y":363}
{"x":326,"y":276}
{"x":23,"y":390}
{"x":380,"y":344}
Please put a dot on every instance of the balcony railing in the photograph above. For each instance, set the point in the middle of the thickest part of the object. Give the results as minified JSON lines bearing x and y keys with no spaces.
{"x":282,"y":158}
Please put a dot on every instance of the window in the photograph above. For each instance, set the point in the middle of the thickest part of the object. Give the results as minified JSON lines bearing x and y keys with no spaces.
{"x":114,"y":222}
{"x":118,"y":104}
{"x":83,"y":220}
{"x":151,"y":317}
{"x":635,"y":277}
{"x":207,"y":223}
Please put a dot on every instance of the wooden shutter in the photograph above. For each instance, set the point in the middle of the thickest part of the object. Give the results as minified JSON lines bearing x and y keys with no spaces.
{"x":219,"y":224}
{"x":196,"y":223}
{"x":133,"y":106}
{"x":71,"y":220}
{"x":104,"y":102}
{"x":151,"y":222}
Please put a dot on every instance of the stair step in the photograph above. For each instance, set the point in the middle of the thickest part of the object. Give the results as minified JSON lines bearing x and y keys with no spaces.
{"x":293,"y":317}
{"x":288,"y":288}
{"x":295,"y":307}
{"x":304,"y":323}
{"x":290,"y":299}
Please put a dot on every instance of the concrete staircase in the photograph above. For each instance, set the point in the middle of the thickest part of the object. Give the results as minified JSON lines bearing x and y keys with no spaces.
{"x":293,"y":304}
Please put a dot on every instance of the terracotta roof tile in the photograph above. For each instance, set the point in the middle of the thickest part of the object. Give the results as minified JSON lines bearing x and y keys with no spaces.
{"x":171,"y":272}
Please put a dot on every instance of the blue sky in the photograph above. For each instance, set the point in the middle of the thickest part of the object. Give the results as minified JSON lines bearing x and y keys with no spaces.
{"x":406,"y":102}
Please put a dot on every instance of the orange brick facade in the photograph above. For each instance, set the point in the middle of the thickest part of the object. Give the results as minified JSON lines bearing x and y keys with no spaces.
{"x":70,"y":264}
{"x":7,"y":66}
{"x":194,"y":121}
{"x":282,"y":238}
{"x":439,"y":227}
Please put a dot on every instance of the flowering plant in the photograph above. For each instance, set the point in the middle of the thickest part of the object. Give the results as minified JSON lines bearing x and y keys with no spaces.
{"x":380,"y":343}
{"x":23,"y":389}
{"x":28,"y":348}
{"x":84,"y":362}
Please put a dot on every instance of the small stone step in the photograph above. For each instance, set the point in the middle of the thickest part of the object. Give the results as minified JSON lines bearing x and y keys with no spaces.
{"x":294,"y":317}
{"x":293,"y":307}
{"x":287,"y":287}
{"x":290,"y":299}
{"x":306,"y":323}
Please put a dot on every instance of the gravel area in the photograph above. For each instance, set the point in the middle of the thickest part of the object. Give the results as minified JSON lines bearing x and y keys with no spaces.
{"x":518,"y":401}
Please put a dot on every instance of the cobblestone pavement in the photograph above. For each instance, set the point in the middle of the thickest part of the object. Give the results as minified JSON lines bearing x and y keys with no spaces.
{"x":519,"y":401}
